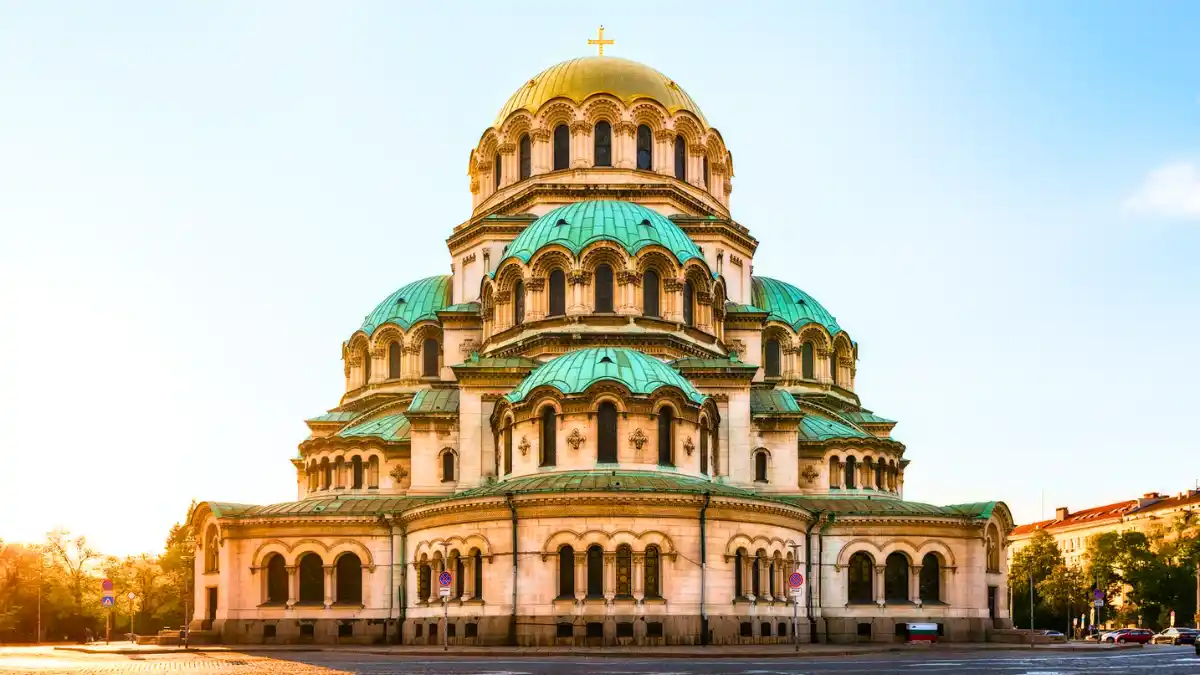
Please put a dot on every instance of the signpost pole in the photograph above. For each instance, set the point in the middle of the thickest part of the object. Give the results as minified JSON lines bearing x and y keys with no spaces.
{"x":795,"y":583}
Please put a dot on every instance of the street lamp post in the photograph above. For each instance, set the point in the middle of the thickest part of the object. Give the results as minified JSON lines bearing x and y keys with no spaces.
{"x":190,"y":562}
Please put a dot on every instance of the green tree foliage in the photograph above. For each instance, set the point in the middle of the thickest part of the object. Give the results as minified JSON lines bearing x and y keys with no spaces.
{"x":1065,"y":592}
{"x":1037,"y":562}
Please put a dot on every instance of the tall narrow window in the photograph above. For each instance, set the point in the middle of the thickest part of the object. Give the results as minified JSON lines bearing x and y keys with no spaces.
{"x":739,"y":564}
{"x":459,"y":578}
{"x":356,"y":477}
{"x":395,"y":354}
{"x":931,"y":579}
{"x":519,"y":303}
{"x":868,"y":470}
{"x":665,"y":437}
{"x":771,"y":357}
{"x":595,"y":571}
{"x":756,"y":575}
{"x":508,"y":449}
{"x":806,"y":361}
{"x":851,"y":479}
{"x":566,"y":572}
{"x":558,"y":293}
{"x":477,"y":568}
{"x":349,"y":579}
{"x":760,"y":467}
{"x":562,"y":147}
{"x":771,"y":580}
{"x":526,"y":151}
{"x":496,"y":171}
{"x":645,"y":148}
{"x":833,"y":367}
{"x":624,"y":571}
{"x":704,"y":448}
{"x":834,"y":472}
{"x":604,"y":289}
{"x":607,"y":443}
{"x":650,"y":293}
{"x":549,"y":437}
{"x":447,"y":466}
{"x":366,"y":361}
{"x":277,"y":580}
{"x":707,"y":174}
{"x":879,"y":484}
{"x":312,"y":579}
{"x":429,"y":354}
{"x":602,"y":143}
{"x":688,"y":304}
{"x":861,"y":573}
{"x":652,"y":579}
{"x":895,"y":578}
{"x":680,"y":158}
{"x":424,"y":582}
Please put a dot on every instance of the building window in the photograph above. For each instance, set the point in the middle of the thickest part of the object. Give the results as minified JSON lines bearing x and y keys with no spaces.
{"x":764,"y":629}
{"x":549,"y":437}
{"x":771,"y":357}
{"x":395,"y":354}
{"x":895,"y":578}
{"x":879,"y":475}
{"x":327,"y":469}
{"x":851,"y":469}
{"x":739,"y":564}
{"x":704,"y":447}
{"x":806,"y":360}
{"x":707,"y":174}
{"x":565,"y":630}
{"x":212,"y":556}
{"x":653,"y":571}
{"x":268,"y":631}
{"x":277,"y":580}
{"x":833,"y":471}
{"x":429,"y":352}
{"x":566,"y":573}
{"x":366,"y":361}
{"x":688,"y":304}
{"x":447,"y":466}
{"x":558,"y":293}
{"x":624,"y":571}
{"x":645,"y":148}
{"x":477,"y":568}
{"x":993,"y":548}
{"x":606,"y":418}
{"x":602,"y":143}
{"x":562,"y":147}
{"x":312,"y":579}
{"x":931,"y":579}
{"x":424,"y":582}
{"x":595,"y":571}
{"x":519,"y":303}
{"x":650,"y":293}
{"x":459,"y":578}
{"x":526,"y":153}
{"x":861,"y":573}
{"x":604,"y":289}
{"x":756,"y":575}
{"x":760,"y":466}
{"x":508,"y":448}
{"x":680,"y":158}
{"x":349,"y":579}
{"x":496,"y":171}
{"x":665,"y":437}
{"x":356,"y":473}
{"x":833,"y":367}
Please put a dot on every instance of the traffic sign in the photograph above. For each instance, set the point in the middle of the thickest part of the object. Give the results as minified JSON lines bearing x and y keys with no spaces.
{"x":444,"y":592}
{"x":106,"y":601}
{"x":444,"y":579}
{"x":1097,"y":603}
{"x":1097,"y":594}
{"x":796,"y":580}
{"x":106,"y":584}
{"x":132,"y":596}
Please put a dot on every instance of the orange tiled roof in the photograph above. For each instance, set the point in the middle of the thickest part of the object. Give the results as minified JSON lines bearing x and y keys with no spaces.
{"x":1094,"y":514}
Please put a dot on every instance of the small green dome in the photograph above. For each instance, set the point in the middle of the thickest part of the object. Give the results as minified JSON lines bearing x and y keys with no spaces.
{"x":574,"y":226}
{"x":573,"y":373}
{"x":786,"y":303}
{"x":415,"y":302}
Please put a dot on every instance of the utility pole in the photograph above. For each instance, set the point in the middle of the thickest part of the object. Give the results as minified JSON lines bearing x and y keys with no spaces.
{"x":41,"y":576}
{"x":1031,"y":607}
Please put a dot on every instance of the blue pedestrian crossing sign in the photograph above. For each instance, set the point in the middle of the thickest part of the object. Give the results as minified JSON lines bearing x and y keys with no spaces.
{"x":106,"y":601}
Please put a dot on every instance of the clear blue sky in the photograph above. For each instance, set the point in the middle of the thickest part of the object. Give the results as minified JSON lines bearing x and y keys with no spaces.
{"x":199,"y":202}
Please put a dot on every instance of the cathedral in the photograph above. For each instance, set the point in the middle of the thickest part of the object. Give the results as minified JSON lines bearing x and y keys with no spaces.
{"x":600,"y":427}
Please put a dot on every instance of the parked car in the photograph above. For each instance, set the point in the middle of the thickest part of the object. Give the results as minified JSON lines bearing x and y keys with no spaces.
{"x":1176,"y":636}
{"x":1112,"y":635}
{"x":1052,"y":633}
{"x":1139,"y":635}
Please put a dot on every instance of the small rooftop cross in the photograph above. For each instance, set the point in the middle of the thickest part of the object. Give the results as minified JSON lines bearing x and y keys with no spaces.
{"x":600,"y":41}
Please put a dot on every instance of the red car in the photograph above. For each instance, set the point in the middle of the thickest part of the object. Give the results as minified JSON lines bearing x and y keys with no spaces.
{"x":1138,"y":635}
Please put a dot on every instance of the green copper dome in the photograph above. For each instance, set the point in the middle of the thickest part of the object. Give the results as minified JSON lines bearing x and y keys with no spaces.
{"x":574,"y":226}
{"x":415,"y":302}
{"x":573,"y":373}
{"x":790,"y":305}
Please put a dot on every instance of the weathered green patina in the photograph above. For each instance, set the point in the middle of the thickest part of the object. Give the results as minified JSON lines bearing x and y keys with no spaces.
{"x":418,"y":301}
{"x":392,"y":428}
{"x":606,"y":481}
{"x":335,"y":416}
{"x":574,"y":372}
{"x":434,"y":402}
{"x":814,"y":428}
{"x":772,"y":401}
{"x":790,"y":305}
{"x":574,"y":226}
{"x":862,"y":506}
{"x":865,"y":417}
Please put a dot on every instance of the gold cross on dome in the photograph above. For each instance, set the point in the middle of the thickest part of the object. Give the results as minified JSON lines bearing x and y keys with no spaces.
{"x":600,"y":41}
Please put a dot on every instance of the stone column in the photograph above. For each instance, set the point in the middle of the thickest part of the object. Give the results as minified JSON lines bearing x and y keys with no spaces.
{"x":435,"y":568}
{"x":610,"y":576}
{"x":293,"y":585}
{"x":879,"y":596}
{"x":469,"y":582}
{"x":638,"y":583}
{"x":328,"y":569}
{"x":580,"y":576}
{"x":535,"y":305}
{"x":914,"y":586}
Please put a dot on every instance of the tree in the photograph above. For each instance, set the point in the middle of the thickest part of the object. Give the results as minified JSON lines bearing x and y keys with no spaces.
{"x":72,"y":560}
{"x":1066,"y":589}
{"x":1037,"y":561}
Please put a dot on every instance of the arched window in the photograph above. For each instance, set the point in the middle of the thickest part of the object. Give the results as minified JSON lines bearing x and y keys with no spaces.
{"x":339,"y":473}
{"x":834,"y":471}
{"x":604,"y":289}
{"x":277,"y":580}
{"x":558,"y":293}
{"x":312,"y":579}
{"x":496,"y":171}
{"x":760,"y":466}
{"x":395,"y":354}
{"x":834,"y":358}
{"x":707,"y":174}
{"x":652,"y":573}
{"x":624,"y":571}
{"x":526,"y":153}
{"x":549,"y":437}
{"x":562,"y":147}
{"x":602,"y":144}
{"x":519,"y":303}
{"x":771,"y":357}
{"x":477,"y":568}
{"x":931,"y":579}
{"x":688,"y":304}
{"x":716,"y":449}
{"x":447,"y":466}
{"x":739,"y":564}
{"x":366,"y":361}
{"x":850,"y":481}
{"x":879,"y":481}
{"x":895,"y":578}
{"x":356,"y":473}
{"x":756,"y":575}
{"x":606,"y":444}
{"x":806,"y":361}
{"x":704,"y":447}
{"x":993,"y":548}
{"x":869,"y":471}
{"x":771,"y":579}
{"x":645,"y":148}
{"x":429,"y":354}
{"x":459,"y":577}
{"x":666,"y":445}
{"x":212,"y":558}
{"x":595,"y":571}
{"x":373,"y":472}
{"x":650,"y":293}
{"x":327,"y":470}
{"x":861,"y":584}
{"x":349,"y":579}
{"x":424,"y":582}
{"x":566,"y":572}
{"x":680,"y":158}
{"x":508,"y":448}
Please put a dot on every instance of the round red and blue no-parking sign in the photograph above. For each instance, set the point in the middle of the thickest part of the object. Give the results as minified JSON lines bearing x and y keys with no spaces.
{"x":796,"y":580}
{"x":444,"y":578}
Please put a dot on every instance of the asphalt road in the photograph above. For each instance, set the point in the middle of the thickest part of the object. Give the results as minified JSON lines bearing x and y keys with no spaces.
{"x":1160,"y":660}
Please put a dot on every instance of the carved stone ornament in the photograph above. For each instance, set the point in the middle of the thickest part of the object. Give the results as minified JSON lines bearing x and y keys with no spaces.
{"x":638,"y":438}
{"x":399,"y":473}
{"x":468,"y":345}
{"x":524,"y":446}
{"x":688,"y":446}
{"x":810,"y":473}
{"x":737,"y":347}
{"x":575,"y":439}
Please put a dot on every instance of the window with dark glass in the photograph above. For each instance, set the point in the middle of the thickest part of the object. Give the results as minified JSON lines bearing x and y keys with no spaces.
{"x":478,"y":569}
{"x":624,"y":571}
{"x":496,"y":171}
{"x":604,"y":289}
{"x":459,"y":577}
{"x":558,"y":293}
{"x":549,"y":437}
{"x":277,"y":579}
{"x":760,"y":467}
{"x":931,"y":578}
{"x":595,"y":571}
{"x":895,"y":578}
{"x":756,"y":576}
{"x":850,"y":481}
{"x":645,"y":148}
{"x":395,"y":354}
{"x":833,"y":368}
{"x":650,"y":293}
{"x":562,"y":147}
{"x":739,"y":564}
{"x":356,"y":473}
{"x":879,"y":475}
{"x":707,"y":174}
{"x":606,"y":419}
{"x":447,"y":466}
{"x":688,"y":303}
{"x":508,"y":449}
{"x":602,"y":143}
{"x":366,"y":361}
{"x":424,"y":582}
{"x":771,"y":579}
{"x":429,"y":355}
{"x":526,"y":152}
{"x":772,"y":357}
{"x":519,"y":303}
{"x":806,"y":361}
{"x":566,"y":572}
{"x":349,"y":579}
{"x":653,"y":571}
{"x":861,"y":574}
{"x":312,"y":579}
{"x":704,"y":448}
{"x":665,"y":437}
{"x":680,"y":158}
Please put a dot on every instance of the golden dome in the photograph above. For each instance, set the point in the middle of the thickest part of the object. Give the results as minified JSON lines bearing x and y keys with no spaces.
{"x":580,"y":78}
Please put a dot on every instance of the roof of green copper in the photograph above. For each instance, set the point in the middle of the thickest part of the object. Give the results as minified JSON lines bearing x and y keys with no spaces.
{"x":434,"y":401}
{"x":735,"y":308}
{"x":574,"y":372}
{"x":335,"y":416}
{"x":768,"y":401}
{"x":709,"y":364}
{"x":790,"y":305}
{"x":340,"y":505}
{"x":475,"y":361}
{"x":862,"y":506}
{"x":814,"y":428}
{"x":865,"y":417}
{"x":393,"y":428}
{"x":415,"y":302}
{"x":576,"y":225}
{"x":463,"y":308}
{"x":606,"y":481}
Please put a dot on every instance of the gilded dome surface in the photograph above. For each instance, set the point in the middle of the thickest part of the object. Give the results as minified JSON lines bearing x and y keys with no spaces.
{"x":574,"y":226}
{"x":574,"y":372}
{"x":580,"y":78}
{"x":790,"y":305}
